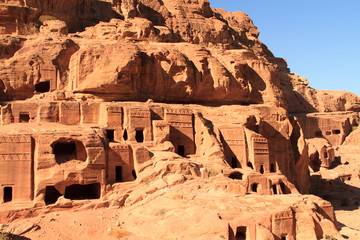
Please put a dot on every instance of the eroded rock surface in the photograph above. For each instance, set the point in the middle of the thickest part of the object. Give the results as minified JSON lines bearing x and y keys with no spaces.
{"x":166,"y":112}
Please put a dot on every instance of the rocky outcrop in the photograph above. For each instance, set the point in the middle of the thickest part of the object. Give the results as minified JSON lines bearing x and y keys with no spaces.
{"x":140,"y":104}
{"x":300,"y":97}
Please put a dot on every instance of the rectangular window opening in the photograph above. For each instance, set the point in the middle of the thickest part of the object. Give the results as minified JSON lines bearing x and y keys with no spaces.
{"x":274,"y":189}
{"x":24,"y":117}
{"x":118,"y":174}
{"x":336,"y":131}
{"x":181,"y":150}
{"x":272,"y":168}
{"x":8,"y":194}
{"x":240,"y":233}
{"x":139,"y":136}
{"x":110,"y":134}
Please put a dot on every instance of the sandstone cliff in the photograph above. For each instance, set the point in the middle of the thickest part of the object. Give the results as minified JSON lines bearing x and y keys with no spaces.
{"x":146,"y":103}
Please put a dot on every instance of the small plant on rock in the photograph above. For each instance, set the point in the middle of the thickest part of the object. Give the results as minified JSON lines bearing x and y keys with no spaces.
{"x":4,"y":236}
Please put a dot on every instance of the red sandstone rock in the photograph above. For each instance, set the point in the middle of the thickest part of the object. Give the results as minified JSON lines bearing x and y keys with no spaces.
{"x":206,"y":148}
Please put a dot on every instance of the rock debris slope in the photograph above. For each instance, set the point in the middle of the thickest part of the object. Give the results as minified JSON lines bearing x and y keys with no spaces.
{"x":164,"y":119}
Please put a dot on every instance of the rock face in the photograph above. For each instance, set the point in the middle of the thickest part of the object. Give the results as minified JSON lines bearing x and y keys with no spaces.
{"x":101,"y":98}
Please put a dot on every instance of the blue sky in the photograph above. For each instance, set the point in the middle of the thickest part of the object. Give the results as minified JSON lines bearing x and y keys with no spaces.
{"x":319,"y":39}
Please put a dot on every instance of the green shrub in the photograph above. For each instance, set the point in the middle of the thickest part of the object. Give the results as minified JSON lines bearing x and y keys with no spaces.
{"x":161,"y":212}
{"x":4,"y":236}
{"x":330,"y":237}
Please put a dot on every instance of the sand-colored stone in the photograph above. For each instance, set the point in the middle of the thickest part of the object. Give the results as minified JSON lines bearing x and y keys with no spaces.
{"x":165,"y":119}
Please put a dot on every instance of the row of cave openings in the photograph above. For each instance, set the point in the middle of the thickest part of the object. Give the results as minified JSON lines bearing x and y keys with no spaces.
{"x":241,"y":234}
{"x":235,"y":164}
{"x":139,"y":137}
{"x":73,"y":192}
{"x":327,"y":133}
{"x":80,"y":192}
{"x":254,"y":186}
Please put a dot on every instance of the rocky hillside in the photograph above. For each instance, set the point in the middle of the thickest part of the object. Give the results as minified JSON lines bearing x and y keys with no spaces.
{"x":167,"y":51}
{"x":168,"y":112}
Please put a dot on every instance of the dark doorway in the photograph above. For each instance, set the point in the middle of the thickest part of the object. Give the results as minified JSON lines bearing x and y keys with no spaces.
{"x":110,"y":134}
{"x":272,"y":168}
{"x":134,"y":174}
{"x":24,"y":117}
{"x":51,"y":195}
{"x":236,"y":175}
{"x":118,"y":174}
{"x":64,"y":151}
{"x":336,"y":131}
{"x":283,"y":238}
{"x":139,"y":136}
{"x":283,"y":188}
{"x":274,"y":189}
{"x":234,"y":162}
{"x":67,"y":150}
{"x":125,"y":135}
{"x":249,"y":164}
{"x":262,"y":169}
{"x":8,"y":194}
{"x":240,"y":233}
{"x":181,"y":150}
{"x":326,"y":154}
{"x":81,"y":192}
{"x":42,"y":87}
{"x":254,"y":187}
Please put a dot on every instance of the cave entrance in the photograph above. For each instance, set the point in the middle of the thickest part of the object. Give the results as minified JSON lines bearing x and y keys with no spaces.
{"x":315,"y":162}
{"x":125,"y":135}
{"x":133,"y":174}
{"x":336,"y":131}
{"x":272,"y":168}
{"x":66,"y":150}
{"x":51,"y":195}
{"x":274,"y":189}
{"x":284,"y":189}
{"x":8,"y":194}
{"x":262,"y":169}
{"x":118,"y":174}
{"x":42,"y":87}
{"x":24,"y":117}
{"x":236,"y":175}
{"x":234,"y":162}
{"x":139,"y":136}
{"x":249,"y":164}
{"x":254,"y":187}
{"x":181,"y":150}
{"x":81,"y":192}
{"x":240,"y":233}
{"x":110,"y":135}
